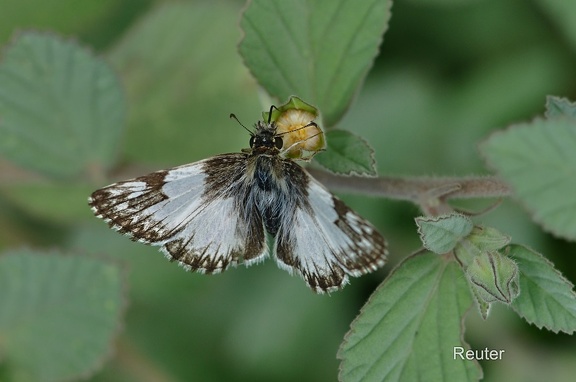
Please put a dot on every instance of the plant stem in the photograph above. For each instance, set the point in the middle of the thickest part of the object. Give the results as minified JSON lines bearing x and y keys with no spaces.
{"x":414,"y":188}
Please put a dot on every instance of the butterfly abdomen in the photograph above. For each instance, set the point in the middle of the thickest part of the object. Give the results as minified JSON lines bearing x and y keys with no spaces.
{"x":267,"y":191}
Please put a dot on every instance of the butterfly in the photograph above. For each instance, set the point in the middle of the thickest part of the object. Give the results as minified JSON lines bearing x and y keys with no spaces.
{"x":216,"y":213}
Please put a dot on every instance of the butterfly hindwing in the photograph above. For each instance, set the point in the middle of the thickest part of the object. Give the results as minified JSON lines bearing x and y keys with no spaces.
{"x":197,"y":213}
{"x":325,"y":241}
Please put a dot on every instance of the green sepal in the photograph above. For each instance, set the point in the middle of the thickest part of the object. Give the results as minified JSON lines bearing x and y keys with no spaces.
{"x":483,"y":306}
{"x":292,"y":103}
{"x":488,"y":238}
{"x":480,"y":240}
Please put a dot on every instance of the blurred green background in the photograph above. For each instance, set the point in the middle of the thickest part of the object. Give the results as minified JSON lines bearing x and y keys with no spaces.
{"x":449,"y":73}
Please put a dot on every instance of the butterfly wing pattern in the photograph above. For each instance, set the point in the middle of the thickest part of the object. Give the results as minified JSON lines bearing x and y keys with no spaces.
{"x":214,"y":213}
{"x":201,"y":230}
{"x":326,"y":241}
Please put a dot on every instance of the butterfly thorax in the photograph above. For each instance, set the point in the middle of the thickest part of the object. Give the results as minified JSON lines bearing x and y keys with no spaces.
{"x":268,"y":186}
{"x":265,"y":148}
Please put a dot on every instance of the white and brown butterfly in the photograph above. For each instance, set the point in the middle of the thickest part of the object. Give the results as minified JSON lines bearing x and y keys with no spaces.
{"x":215,"y":213}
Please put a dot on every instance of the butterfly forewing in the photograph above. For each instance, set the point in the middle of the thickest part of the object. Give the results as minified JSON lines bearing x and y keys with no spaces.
{"x":200,"y":220}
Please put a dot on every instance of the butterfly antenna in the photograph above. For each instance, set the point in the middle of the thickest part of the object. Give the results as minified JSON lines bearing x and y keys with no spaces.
{"x":302,"y":128}
{"x":270,"y":113}
{"x":233,"y":116}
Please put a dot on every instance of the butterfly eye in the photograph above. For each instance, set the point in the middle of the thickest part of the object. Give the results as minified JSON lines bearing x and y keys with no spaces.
{"x":278,"y":142}
{"x":252,"y":141}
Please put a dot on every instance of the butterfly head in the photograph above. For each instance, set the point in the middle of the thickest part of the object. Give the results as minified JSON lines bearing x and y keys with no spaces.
{"x":294,"y":135}
{"x":265,"y":137}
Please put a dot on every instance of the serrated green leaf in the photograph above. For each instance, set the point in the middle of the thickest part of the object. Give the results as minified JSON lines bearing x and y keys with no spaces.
{"x":539,"y":161}
{"x":441,"y":234}
{"x":546,"y":298}
{"x":408,"y":329}
{"x":61,"y":108}
{"x":59,"y":313}
{"x":347,"y":154}
{"x":318,"y":50}
{"x":559,"y":107}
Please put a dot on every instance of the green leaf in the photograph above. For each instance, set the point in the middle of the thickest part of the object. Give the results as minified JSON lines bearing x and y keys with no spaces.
{"x":59,"y":314}
{"x":546,"y":298}
{"x":539,"y":161}
{"x":441,"y":234}
{"x":559,"y":107}
{"x":347,"y":154}
{"x":61,"y":108}
{"x":408,"y":329}
{"x":318,"y":50}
